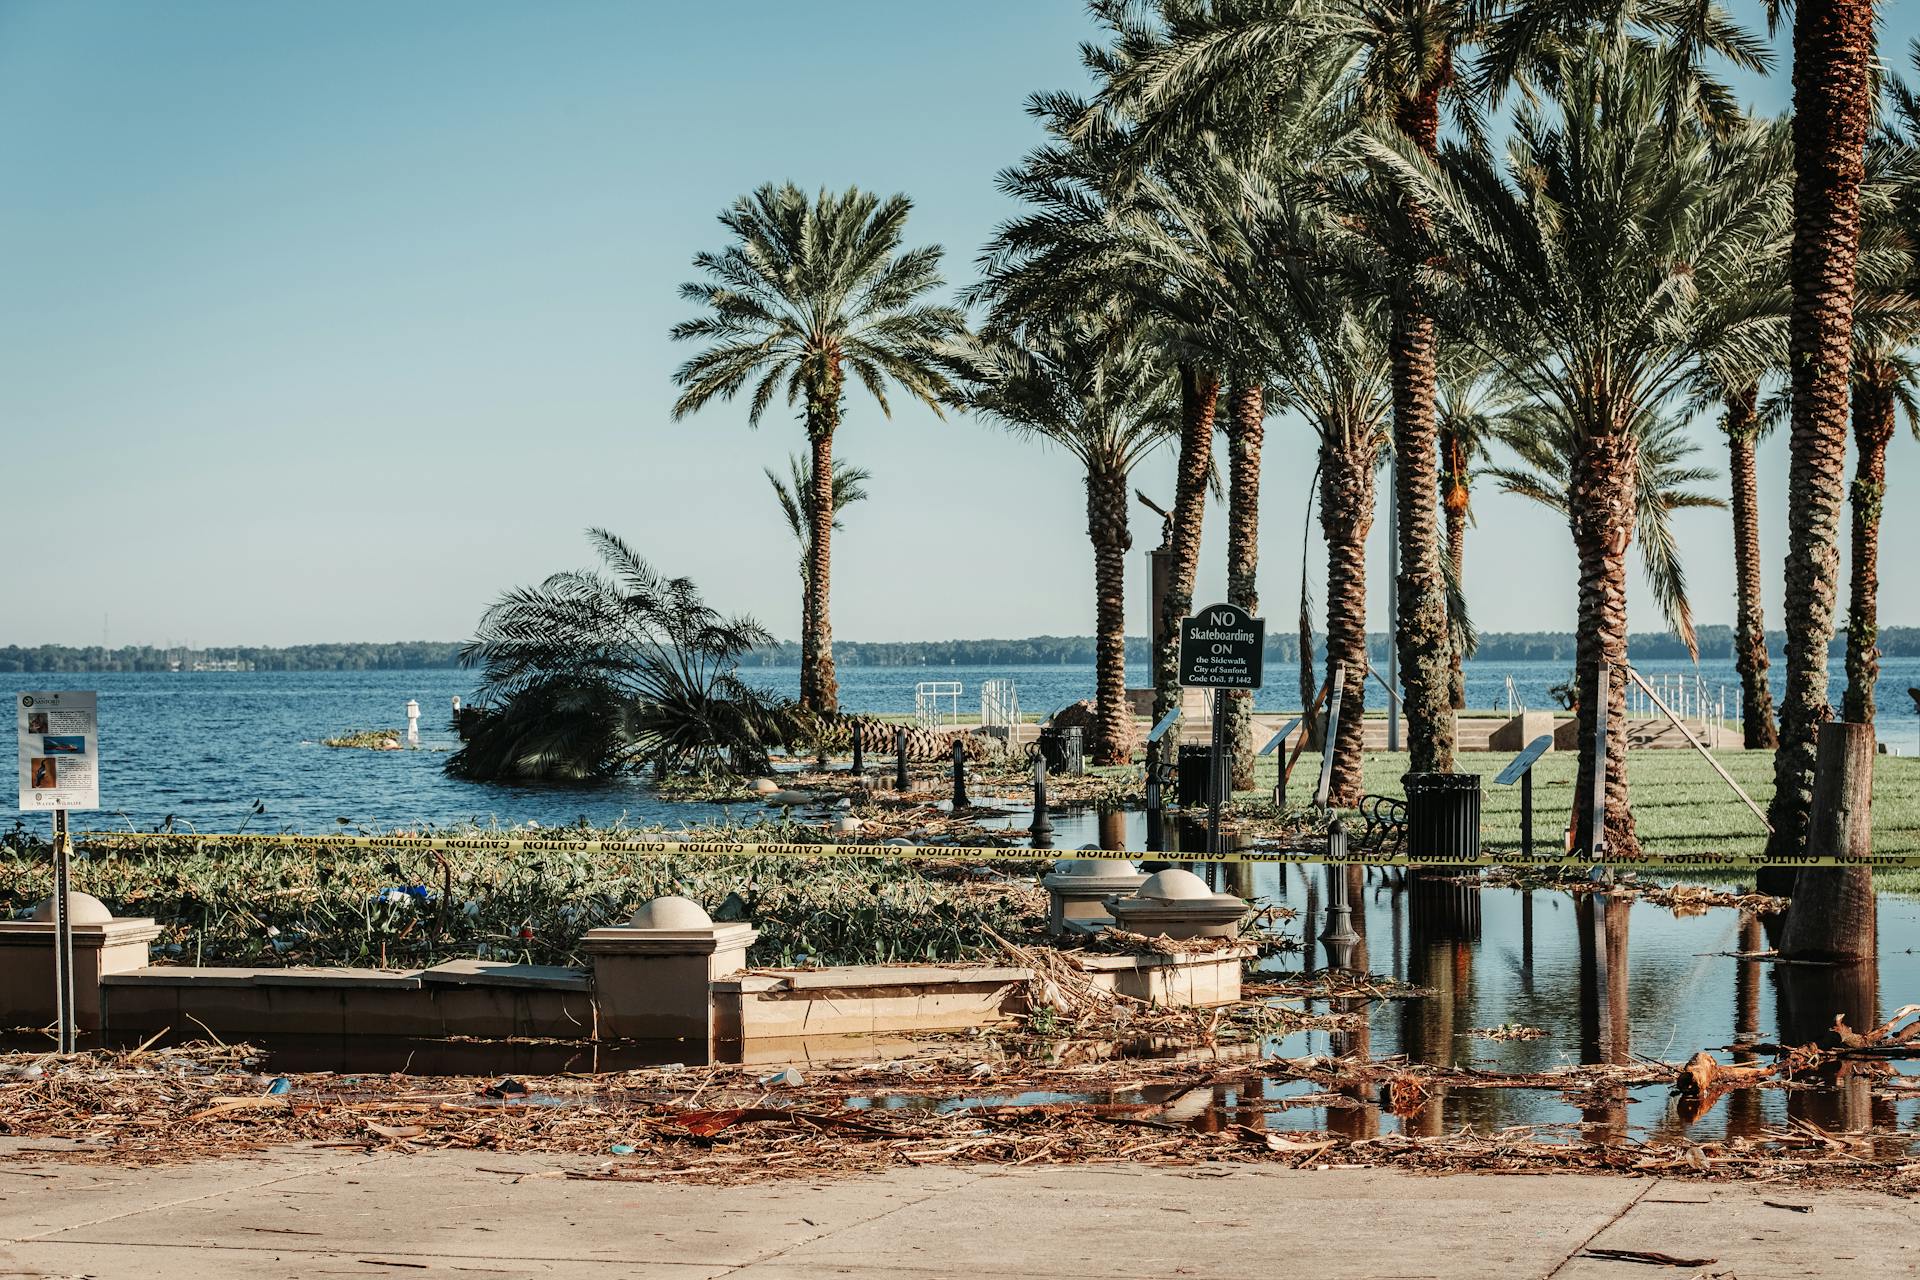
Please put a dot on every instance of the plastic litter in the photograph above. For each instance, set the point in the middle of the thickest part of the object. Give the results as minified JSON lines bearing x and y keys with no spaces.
{"x":507,"y":1088}
{"x":788,"y":1079}
{"x":621,"y":1149}
{"x":279,"y":1087}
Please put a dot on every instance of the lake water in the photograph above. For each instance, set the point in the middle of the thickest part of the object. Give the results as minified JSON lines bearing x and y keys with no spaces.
{"x":203,"y":747}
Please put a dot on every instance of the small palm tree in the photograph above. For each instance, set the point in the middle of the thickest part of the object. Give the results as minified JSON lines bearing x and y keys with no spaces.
{"x":795,"y":496}
{"x":588,"y":675}
{"x":1586,"y":264}
{"x":1097,"y":389}
{"x":813,"y":290}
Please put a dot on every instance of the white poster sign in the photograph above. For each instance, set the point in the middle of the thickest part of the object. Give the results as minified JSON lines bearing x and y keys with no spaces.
{"x":59,"y":751}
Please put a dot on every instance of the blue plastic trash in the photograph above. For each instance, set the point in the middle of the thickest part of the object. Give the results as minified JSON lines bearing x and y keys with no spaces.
{"x":281,"y":1085}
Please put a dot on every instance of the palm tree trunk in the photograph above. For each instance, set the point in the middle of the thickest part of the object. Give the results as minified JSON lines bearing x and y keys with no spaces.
{"x":1346,"y":517}
{"x":1246,"y":427}
{"x":1425,"y":660}
{"x":819,"y":691}
{"x":1833,"y":51}
{"x":1873,"y":422}
{"x":1107,"y":528}
{"x":1456,"y":507}
{"x":1199,"y":397}
{"x":1600,"y":508}
{"x":1750,"y":634}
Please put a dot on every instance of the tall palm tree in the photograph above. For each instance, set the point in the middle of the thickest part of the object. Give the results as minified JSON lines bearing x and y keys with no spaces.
{"x":1404,"y":60}
{"x":1581,"y":263}
{"x":1472,"y":404}
{"x":1884,"y":381}
{"x":813,"y":290}
{"x":1096,"y":386}
{"x":1833,"y":98}
{"x":794,"y":492}
{"x":1744,"y":426}
{"x":1545,"y":445}
{"x":1089,"y":191}
{"x":1746,"y":349}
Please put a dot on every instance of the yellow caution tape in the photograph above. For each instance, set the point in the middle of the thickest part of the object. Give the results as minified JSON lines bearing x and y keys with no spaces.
{"x":975,"y":853}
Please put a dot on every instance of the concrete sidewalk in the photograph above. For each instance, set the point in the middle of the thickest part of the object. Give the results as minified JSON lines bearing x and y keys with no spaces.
{"x":331,"y":1214}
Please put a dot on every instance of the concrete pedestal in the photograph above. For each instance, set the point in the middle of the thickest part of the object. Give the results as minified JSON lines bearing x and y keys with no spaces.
{"x":652,"y":978}
{"x":102,"y":944}
{"x":1078,"y":889}
{"x":1177,"y":904}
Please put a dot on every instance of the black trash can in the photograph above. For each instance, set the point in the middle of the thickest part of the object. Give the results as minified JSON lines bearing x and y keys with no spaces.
{"x":1063,"y":750}
{"x":1443,"y":815}
{"x":1196,"y":775}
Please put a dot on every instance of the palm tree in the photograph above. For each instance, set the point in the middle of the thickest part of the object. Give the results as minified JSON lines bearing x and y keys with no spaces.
{"x":1746,"y":349}
{"x":1833,"y":97}
{"x":795,"y":496}
{"x":813,"y":290}
{"x":1096,"y":387}
{"x":1472,"y":404}
{"x":1585,"y":264}
{"x":588,"y":675}
{"x":1885,"y":375}
{"x":1884,"y":381}
{"x":1209,"y":60}
{"x":1089,"y":192}
{"x":1544,"y":445}
{"x":1744,"y":426}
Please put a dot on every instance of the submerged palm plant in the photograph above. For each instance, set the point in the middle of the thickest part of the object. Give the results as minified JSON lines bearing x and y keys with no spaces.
{"x":588,"y":675}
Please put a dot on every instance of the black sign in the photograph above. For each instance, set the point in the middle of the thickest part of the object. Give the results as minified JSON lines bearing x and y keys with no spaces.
{"x":1221,"y":648}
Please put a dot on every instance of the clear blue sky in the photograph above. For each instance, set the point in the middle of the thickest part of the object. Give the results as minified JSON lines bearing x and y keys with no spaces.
{"x":328,"y":321}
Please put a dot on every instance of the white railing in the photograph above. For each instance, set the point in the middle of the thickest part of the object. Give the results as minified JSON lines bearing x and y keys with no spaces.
{"x":999,"y":704}
{"x":936,"y":703}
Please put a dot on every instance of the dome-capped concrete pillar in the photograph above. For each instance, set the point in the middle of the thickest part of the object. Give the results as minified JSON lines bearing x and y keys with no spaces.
{"x":652,"y":977}
{"x":1177,"y":904}
{"x":1078,"y":888}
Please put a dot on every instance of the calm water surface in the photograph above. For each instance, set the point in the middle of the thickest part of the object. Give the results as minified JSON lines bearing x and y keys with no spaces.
{"x":204,"y":746}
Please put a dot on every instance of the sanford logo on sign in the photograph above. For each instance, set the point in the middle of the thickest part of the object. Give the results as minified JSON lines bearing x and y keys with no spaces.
{"x":1221,"y":647}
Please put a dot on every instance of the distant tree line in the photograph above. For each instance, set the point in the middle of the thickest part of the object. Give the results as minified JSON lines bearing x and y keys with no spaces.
{"x":406,"y":655}
{"x":1716,"y":643}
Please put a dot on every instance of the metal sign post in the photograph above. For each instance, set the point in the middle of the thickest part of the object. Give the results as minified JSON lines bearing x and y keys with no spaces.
{"x":63,"y":934}
{"x":1222,"y":647}
{"x":59,"y":736}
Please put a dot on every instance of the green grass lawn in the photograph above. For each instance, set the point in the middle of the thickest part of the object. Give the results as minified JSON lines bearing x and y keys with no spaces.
{"x":1679,"y":804}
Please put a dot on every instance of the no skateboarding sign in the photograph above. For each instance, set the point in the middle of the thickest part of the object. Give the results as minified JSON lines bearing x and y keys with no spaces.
{"x":1221,"y":647}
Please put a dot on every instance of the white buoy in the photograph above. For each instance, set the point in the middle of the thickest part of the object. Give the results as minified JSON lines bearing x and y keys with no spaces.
{"x":413,"y":723}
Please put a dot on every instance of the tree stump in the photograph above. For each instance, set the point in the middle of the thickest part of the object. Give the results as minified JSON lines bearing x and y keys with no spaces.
{"x":1832,"y":916}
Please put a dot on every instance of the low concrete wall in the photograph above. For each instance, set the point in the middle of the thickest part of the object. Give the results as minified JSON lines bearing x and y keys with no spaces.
{"x":468,"y":998}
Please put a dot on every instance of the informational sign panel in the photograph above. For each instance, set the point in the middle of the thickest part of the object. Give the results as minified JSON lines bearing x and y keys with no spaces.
{"x":59,"y":751}
{"x":1221,"y":647}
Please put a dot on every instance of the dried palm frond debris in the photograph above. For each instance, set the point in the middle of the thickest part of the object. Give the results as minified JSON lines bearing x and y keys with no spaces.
{"x":1681,"y":899}
{"x":966,"y":1102}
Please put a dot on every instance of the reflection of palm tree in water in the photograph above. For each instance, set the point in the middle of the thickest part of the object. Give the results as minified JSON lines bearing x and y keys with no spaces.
{"x":1606,"y":1034}
{"x":1744,"y":1118}
{"x":1443,"y":919}
{"x":1362,"y":1121}
{"x":1809,"y":997}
